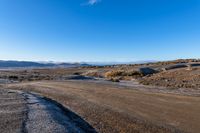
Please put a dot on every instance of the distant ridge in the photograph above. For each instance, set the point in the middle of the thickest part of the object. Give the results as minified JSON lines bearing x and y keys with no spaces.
{"x":30,"y":64}
{"x":121,"y":63}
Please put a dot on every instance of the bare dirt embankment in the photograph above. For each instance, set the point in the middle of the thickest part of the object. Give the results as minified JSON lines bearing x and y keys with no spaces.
{"x":115,"y":108}
{"x":179,"y":78}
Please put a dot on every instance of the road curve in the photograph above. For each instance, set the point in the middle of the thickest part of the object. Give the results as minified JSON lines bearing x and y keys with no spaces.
{"x":30,"y":113}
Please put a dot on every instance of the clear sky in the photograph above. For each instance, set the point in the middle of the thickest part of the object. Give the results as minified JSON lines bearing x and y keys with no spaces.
{"x":99,"y":30}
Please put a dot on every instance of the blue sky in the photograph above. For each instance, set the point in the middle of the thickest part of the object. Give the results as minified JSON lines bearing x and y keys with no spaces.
{"x":99,"y":30}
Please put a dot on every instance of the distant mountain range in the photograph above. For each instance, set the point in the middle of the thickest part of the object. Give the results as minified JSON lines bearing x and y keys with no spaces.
{"x":121,"y":63}
{"x":29,"y":64}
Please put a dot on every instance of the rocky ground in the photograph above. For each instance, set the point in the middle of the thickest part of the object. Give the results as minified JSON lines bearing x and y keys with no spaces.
{"x":156,"y":97}
{"x":179,"y":78}
{"x":174,"y":74}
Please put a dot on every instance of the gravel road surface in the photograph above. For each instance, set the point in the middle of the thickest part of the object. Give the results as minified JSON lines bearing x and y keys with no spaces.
{"x":30,"y":113}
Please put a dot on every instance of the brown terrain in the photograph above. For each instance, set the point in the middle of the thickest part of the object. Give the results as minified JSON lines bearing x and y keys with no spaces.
{"x":151,"y":98}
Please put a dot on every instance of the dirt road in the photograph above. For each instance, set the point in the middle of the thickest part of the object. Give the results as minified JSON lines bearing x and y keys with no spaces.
{"x":29,"y":113}
{"x":113,"y":108}
{"x":12,"y":112}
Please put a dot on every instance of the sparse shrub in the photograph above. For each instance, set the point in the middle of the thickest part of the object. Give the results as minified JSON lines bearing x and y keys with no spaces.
{"x":77,"y":73}
{"x":134,"y":73}
{"x":13,"y":77}
{"x":123,"y":73}
{"x":114,"y":80}
{"x":93,"y":73}
{"x":114,"y":73}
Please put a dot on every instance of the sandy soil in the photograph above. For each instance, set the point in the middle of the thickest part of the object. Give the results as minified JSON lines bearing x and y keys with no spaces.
{"x":117,"y":108}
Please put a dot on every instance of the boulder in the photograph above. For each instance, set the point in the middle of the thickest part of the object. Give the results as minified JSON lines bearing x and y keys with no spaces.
{"x":147,"y":71}
{"x":176,"y":66}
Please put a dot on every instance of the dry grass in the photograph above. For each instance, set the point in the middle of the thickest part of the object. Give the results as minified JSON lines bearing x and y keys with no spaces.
{"x":123,"y":74}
